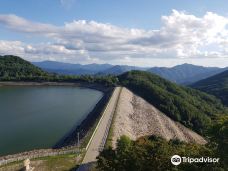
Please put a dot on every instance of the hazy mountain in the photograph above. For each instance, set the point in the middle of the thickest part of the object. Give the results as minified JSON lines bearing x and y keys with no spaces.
{"x":71,"y":69}
{"x":78,"y":69}
{"x":181,"y":74}
{"x":186,"y":73}
{"x":216,"y":85}
{"x":120,"y":69}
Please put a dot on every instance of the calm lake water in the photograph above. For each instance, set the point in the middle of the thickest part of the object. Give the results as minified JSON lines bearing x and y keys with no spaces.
{"x":37,"y":117}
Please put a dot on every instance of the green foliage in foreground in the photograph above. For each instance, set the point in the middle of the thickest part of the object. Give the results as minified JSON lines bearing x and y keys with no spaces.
{"x":191,"y":107}
{"x":218,"y":135}
{"x":153,"y":153}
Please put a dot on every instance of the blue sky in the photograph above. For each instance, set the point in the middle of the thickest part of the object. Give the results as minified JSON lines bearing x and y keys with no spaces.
{"x":126,"y":13}
{"x":133,"y":32}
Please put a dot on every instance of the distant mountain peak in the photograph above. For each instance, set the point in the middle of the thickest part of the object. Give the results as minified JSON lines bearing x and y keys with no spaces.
{"x":185,"y":73}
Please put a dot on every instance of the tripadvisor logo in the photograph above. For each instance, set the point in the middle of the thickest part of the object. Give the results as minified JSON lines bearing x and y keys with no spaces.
{"x":176,"y":160}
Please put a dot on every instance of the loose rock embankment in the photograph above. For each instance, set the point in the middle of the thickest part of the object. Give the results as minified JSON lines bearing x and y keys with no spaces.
{"x":135,"y":117}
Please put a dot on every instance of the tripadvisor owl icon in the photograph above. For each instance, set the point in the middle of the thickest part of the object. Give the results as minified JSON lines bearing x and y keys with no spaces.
{"x":176,"y":160}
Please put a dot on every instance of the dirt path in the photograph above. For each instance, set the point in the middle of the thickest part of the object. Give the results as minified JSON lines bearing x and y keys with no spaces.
{"x":135,"y":118}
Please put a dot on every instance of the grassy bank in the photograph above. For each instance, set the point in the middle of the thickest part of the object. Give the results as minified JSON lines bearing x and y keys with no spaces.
{"x":53,"y":163}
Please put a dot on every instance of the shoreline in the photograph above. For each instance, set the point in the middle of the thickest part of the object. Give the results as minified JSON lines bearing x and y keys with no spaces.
{"x":54,"y":83}
{"x":69,"y":140}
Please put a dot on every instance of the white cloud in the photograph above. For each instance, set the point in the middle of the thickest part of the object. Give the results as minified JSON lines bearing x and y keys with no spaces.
{"x":22,"y":25}
{"x":7,"y":47}
{"x":181,"y":36}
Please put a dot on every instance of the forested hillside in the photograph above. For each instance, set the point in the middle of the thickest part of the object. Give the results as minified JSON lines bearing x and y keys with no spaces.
{"x":191,"y":107}
{"x":15,"y":67}
{"x":216,"y":85}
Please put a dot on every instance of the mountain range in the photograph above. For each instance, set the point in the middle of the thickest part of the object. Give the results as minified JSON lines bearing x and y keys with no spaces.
{"x":71,"y":69}
{"x":184,"y":74}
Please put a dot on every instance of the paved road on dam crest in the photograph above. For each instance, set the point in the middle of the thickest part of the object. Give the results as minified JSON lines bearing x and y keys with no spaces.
{"x":100,"y":134}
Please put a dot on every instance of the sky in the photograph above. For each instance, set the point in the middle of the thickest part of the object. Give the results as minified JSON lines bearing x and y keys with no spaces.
{"x":128,"y":32}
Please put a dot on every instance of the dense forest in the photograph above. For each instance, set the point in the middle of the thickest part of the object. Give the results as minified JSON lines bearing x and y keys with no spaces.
{"x":15,"y":67}
{"x":216,"y":85}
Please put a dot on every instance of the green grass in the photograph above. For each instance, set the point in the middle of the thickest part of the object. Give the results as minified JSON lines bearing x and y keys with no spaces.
{"x":56,"y":157}
{"x":11,"y":164}
{"x":64,"y":162}
{"x":58,"y":163}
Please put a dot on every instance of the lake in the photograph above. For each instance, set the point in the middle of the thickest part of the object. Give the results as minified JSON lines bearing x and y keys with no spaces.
{"x":38,"y":117}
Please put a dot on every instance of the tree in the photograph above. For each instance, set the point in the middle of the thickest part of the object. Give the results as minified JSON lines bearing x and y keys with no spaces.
{"x":153,"y":153}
